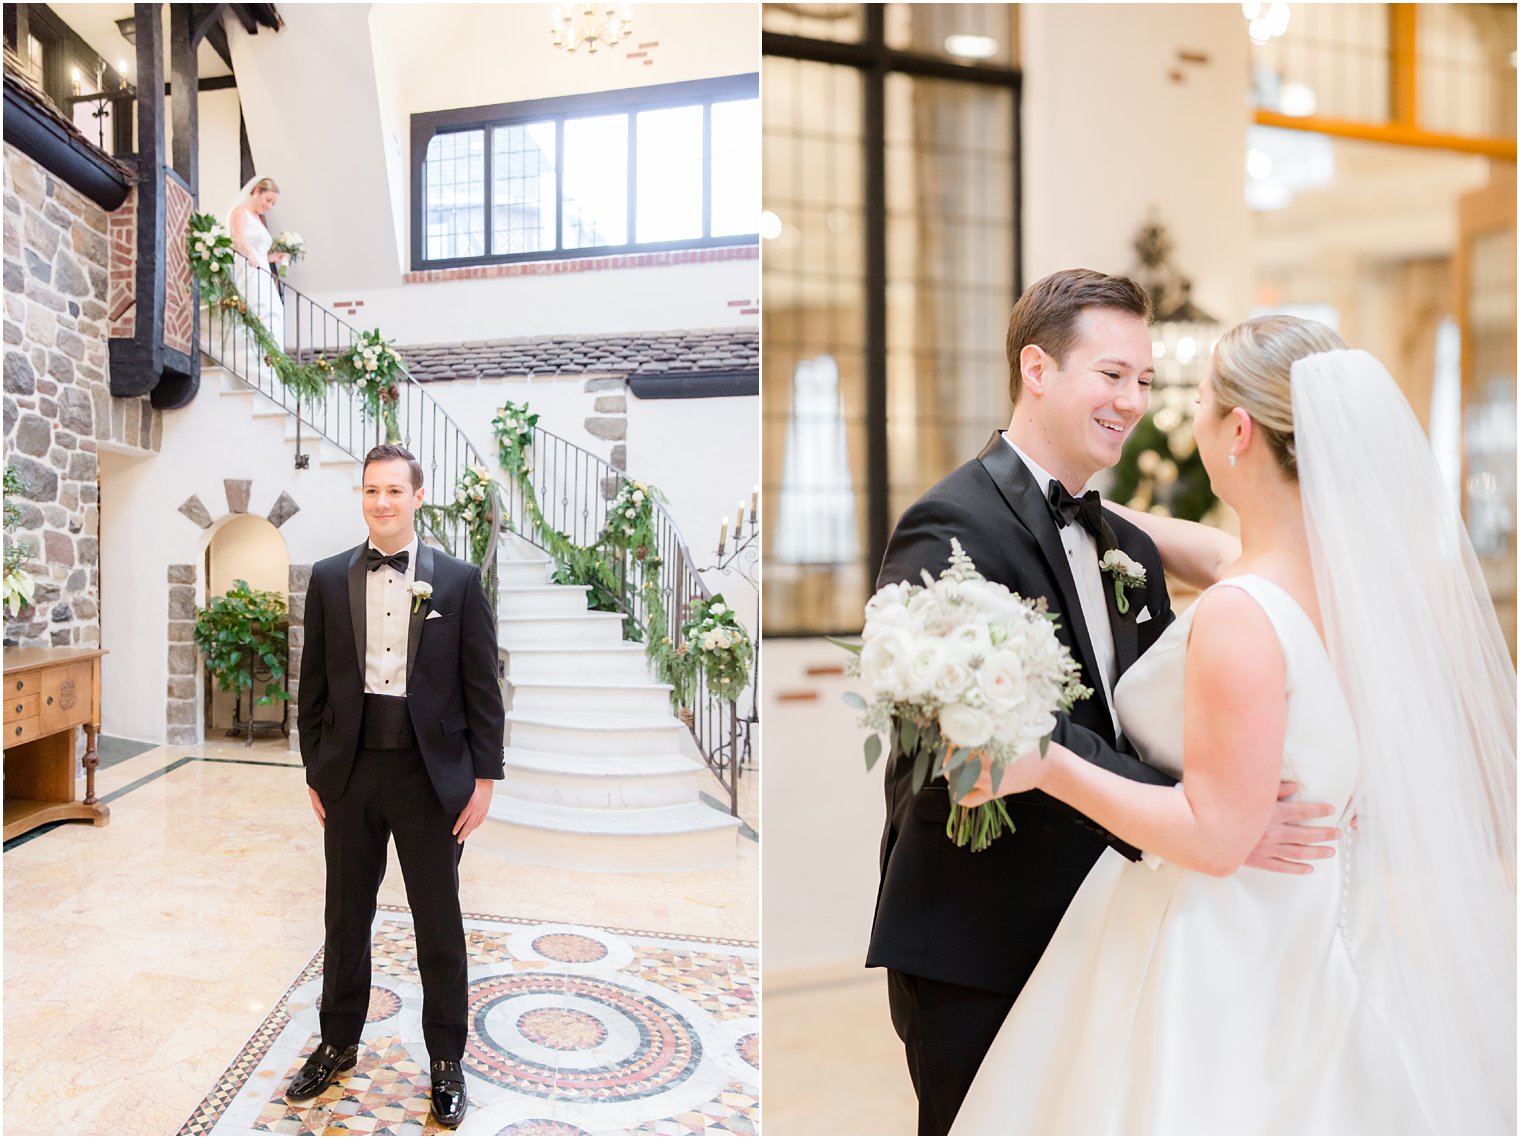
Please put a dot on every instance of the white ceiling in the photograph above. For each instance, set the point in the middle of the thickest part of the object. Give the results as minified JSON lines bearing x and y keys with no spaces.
{"x":96,"y":25}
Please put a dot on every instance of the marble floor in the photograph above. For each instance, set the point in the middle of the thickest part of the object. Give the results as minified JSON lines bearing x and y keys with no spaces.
{"x":833,"y":1063}
{"x":141,"y":956}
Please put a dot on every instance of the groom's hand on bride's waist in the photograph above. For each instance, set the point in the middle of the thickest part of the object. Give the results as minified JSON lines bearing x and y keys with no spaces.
{"x":1289,"y":846}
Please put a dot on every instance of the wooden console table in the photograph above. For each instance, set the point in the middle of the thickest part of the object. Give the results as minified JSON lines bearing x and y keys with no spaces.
{"x":48,"y":693}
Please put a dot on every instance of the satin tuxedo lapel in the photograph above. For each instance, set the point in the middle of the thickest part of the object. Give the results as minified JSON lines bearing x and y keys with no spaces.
{"x":357,"y":608}
{"x":418,"y":612}
{"x":1126,"y":635}
{"x":1027,"y":501}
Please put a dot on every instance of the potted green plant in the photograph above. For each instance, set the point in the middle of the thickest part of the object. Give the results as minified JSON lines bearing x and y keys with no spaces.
{"x":241,"y":632}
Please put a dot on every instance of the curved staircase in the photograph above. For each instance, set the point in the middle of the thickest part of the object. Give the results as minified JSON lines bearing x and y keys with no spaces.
{"x":600,"y":775}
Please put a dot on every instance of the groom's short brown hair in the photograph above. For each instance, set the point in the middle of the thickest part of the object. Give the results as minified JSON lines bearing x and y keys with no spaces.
{"x":1047,"y":314}
{"x":385,"y":452}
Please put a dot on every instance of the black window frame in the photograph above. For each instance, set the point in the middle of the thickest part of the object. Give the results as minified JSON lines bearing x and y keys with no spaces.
{"x":875,"y":60}
{"x":427,"y":126}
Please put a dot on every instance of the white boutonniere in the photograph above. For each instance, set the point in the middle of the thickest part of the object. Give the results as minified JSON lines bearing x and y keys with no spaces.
{"x":421,"y":591}
{"x":1126,"y":573}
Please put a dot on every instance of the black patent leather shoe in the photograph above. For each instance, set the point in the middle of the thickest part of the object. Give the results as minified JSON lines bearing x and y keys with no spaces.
{"x":449,"y":1100}
{"x":324,"y":1065}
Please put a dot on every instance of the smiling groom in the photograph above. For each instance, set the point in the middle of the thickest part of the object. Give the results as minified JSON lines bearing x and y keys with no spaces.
{"x":401,"y":723}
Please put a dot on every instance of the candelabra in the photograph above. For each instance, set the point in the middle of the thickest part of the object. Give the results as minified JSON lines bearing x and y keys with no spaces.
{"x":741,"y":556}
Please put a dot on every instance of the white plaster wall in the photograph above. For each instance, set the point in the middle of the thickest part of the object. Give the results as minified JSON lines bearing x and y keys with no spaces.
{"x":1108,"y":135}
{"x":220,"y":157}
{"x":142,"y":533}
{"x":823,"y":813}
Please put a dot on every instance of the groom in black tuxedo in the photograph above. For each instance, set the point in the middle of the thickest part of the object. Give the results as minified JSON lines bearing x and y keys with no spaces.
{"x":960,"y":933}
{"x":401,"y":722}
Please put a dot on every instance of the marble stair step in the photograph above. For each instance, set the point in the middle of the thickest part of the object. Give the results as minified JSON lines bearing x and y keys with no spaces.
{"x":523,"y":572}
{"x":529,"y":663}
{"x":575,"y":694}
{"x":569,"y":629}
{"x":591,"y":733}
{"x":691,"y":836}
{"x":541,"y":600}
{"x":606,"y":782}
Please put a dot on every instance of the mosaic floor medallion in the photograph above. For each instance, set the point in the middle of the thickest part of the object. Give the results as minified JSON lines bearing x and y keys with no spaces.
{"x":574,"y":1030}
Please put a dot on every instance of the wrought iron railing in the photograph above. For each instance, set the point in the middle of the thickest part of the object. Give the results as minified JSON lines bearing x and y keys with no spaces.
{"x":310,"y":332}
{"x":573,"y":489}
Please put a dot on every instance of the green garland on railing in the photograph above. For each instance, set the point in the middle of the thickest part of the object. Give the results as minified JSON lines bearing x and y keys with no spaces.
{"x":371,"y":364}
{"x":628,"y":541}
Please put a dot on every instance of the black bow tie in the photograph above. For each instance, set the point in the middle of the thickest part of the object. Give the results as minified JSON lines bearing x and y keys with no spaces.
{"x":375,"y":559}
{"x":1086,"y":511}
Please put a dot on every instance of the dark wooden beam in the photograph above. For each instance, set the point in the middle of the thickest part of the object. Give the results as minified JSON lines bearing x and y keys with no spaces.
{"x":204,"y":18}
{"x":184,"y":101}
{"x":216,"y":36}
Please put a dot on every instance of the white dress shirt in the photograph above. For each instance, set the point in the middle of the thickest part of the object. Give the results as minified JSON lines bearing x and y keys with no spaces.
{"x":1082,"y":555}
{"x":388,"y":614}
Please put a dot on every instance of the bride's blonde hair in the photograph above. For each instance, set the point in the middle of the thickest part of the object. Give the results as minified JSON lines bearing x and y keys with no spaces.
{"x":264,"y":184}
{"x":1253,"y":367}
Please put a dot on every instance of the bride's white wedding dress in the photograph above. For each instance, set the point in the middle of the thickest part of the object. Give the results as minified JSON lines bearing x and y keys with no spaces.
{"x":1174,"y":1002}
{"x":261,"y":290}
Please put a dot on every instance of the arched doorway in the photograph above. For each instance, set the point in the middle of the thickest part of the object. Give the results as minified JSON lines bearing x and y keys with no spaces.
{"x":244,"y":547}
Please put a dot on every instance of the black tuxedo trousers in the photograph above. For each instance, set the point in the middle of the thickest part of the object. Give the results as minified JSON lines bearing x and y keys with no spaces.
{"x":389,"y":796}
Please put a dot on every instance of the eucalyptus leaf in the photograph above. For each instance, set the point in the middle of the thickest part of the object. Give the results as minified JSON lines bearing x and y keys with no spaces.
{"x":920,"y":770}
{"x":1044,"y":745}
{"x":845,"y":645}
{"x":855,"y":700}
{"x":907,"y":736}
{"x":963,"y":780}
{"x":873,"y":751}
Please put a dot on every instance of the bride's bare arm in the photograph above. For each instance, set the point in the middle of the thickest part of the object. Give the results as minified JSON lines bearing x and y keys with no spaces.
{"x":1232,"y":739}
{"x":1190,"y":551}
{"x":237,"y":225}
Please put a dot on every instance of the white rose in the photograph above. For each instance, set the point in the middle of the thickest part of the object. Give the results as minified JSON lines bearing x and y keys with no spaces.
{"x":718,"y":609}
{"x":885,"y":664}
{"x":1001,"y":680}
{"x":928,"y":659}
{"x":952,"y":679}
{"x":965,"y":727}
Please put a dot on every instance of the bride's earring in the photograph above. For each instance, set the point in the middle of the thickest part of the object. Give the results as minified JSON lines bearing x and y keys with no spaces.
{"x":1232,"y":458}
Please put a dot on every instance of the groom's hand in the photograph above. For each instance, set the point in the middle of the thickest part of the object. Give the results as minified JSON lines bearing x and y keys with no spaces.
{"x":316,"y":805}
{"x":1288,"y":846}
{"x":474,"y":812}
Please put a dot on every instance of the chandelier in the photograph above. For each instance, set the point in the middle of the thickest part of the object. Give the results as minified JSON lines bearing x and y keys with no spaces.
{"x":591,"y":26}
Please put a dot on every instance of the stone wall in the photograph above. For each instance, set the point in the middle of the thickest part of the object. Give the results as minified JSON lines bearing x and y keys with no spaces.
{"x":57,"y":403}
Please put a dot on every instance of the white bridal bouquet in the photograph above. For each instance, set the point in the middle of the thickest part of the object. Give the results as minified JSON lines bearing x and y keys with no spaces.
{"x":961,"y":670}
{"x":292,"y":243}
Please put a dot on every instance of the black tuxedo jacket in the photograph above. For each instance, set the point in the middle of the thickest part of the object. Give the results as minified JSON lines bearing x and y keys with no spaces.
{"x":982,"y":920}
{"x":452,"y":692}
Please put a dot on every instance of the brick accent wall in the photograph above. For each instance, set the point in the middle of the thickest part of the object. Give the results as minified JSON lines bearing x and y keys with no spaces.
{"x":123,"y":238}
{"x":179,"y":312}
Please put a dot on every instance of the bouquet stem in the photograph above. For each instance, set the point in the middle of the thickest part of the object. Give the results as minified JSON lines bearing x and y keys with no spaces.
{"x":976,"y":827}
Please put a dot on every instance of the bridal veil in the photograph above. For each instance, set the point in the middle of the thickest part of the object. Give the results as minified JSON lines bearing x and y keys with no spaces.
{"x":1429,"y":872}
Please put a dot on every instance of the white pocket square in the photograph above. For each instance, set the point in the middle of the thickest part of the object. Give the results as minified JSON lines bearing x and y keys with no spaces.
{"x":1144,"y":615}
{"x":431,"y":614}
